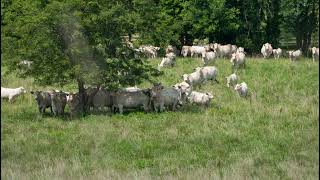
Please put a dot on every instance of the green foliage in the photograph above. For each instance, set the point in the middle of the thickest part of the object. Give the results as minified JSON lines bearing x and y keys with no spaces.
{"x":70,"y":41}
{"x":301,"y":18}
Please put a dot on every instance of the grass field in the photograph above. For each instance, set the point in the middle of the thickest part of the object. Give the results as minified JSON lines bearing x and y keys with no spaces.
{"x":272,"y":135}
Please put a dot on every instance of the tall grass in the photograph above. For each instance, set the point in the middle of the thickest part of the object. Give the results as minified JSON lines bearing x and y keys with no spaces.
{"x":273,"y":134}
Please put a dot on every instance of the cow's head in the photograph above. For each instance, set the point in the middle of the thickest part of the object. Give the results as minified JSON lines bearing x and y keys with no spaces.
{"x":209,"y":95}
{"x":22,"y":89}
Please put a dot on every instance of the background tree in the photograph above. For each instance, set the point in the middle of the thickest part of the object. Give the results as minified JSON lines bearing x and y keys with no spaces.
{"x":301,"y":19}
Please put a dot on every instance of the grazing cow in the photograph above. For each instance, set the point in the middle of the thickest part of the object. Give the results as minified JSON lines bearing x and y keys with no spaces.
{"x":232,"y":80}
{"x":198,"y":50}
{"x":200,"y":98}
{"x":58,"y":102}
{"x":237,"y":60}
{"x":315,"y":53}
{"x":165,"y":97}
{"x":295,"y":55}
{"x":209,"y":56}
{"x":43,"y":100}
{"x":136,"y":99}
{"x":242,"y":89}
{"x":222,"y":50}
{"x":185,"y":51}
{"x":11,"y":94}
{"x":194,"y":79}
{"x":266,"y":50}
{"x":208,"y":73}
{"x":277,"y":53}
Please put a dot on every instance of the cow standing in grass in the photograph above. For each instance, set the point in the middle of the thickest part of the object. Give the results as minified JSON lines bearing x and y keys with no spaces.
{"x":11,"y":94}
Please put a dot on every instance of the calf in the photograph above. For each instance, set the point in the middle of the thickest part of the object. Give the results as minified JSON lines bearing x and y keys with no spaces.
{"x":277,"y":53}
{"x":295,"y":55}
{"x":232,"y":80}
{"x":43,"y":100}
{"x":200,"y":98}
{"x":11,"y":94}
{"x":242,"y":89}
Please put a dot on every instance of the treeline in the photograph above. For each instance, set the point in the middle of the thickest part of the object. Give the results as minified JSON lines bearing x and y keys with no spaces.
{"x":179,"y":22}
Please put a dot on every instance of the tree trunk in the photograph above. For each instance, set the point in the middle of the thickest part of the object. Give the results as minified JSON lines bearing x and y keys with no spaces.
{"x":82,"y":94}
{"x":130,"y":37}
{"x":298,"y":40}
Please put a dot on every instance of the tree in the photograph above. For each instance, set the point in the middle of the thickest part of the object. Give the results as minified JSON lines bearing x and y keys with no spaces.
{"x":258,"y":22}
{"x":301,"y":19}
{"x":71,"y":42}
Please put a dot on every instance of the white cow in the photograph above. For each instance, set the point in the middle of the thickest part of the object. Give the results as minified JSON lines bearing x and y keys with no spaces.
{"x":200,"y":98}
{"x":11,"y":93}
{"x":237,"y":60}
{"x":131,"y":89}
{"x":25,"y":63}
{"x":198,"y":50}
{"x":222,"y":50}
{"x":315,"y":53}
{"x":185,"y":87}
{"x":185,"y":51}
{"x":295,"y":55}
{"x":234,"y":48}
{"x":266,"y":50}
{"x":232,"y":80}
{"x":209,"y":56}
{"x":277,"y":53}
{"x":240,"y":49}
{"x":242,"y":89}
{"x":194,"y":79}
{"x":208,"y":73}
{"x":148,"y":50}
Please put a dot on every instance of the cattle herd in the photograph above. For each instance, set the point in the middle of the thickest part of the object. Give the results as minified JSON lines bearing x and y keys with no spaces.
{"x":156,"y":98}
